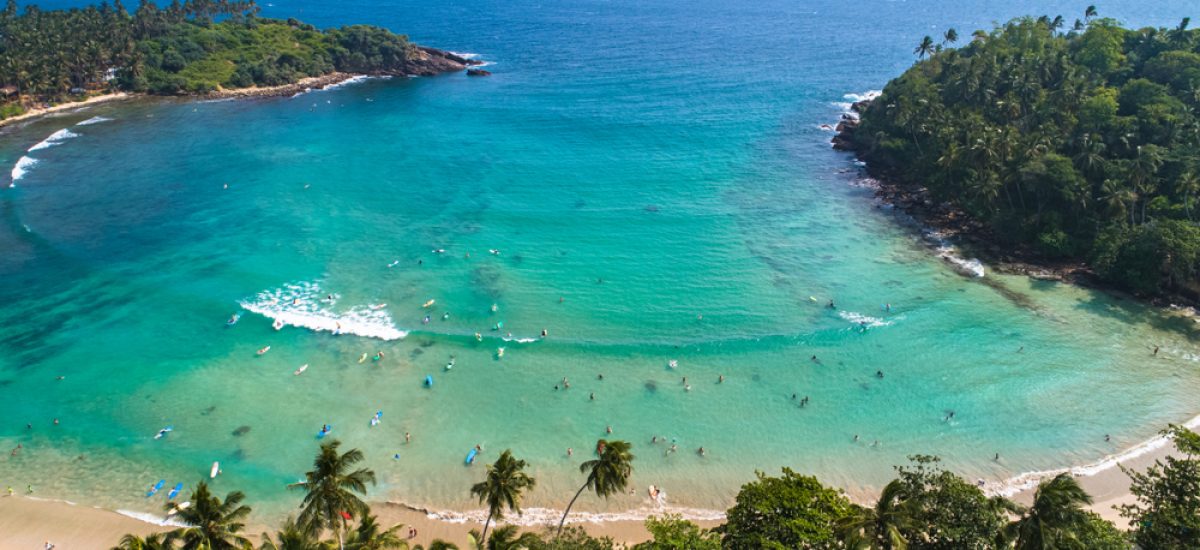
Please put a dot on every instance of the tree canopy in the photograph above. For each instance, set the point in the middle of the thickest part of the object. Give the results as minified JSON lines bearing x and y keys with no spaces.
{"x":1083,"y":144}
{"x":191,"y":47}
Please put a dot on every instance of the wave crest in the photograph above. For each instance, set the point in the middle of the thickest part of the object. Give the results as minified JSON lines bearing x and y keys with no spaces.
{"x":53,"y":139}
{"x":305,"y":305}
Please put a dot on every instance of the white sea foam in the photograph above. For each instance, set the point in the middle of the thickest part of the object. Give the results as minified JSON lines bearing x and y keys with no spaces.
{"x":54,"y":139}
{"x":1029,"y":480}
{"x":970,"y":267}
{"x":543,"y":516}
{"x":859,"y":319}
{"x":352,"y":80}
{"x":865,"y":96}
{"x":305,"y":305}
{"x":520,"y":340}
{"x":93,"y":120}
{"x":151,"y":518}
{"x":21,"y":168}
{"x":467,"y":55}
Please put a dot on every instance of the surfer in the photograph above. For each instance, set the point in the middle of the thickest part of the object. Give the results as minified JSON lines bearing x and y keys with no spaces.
{"x":425,"y":321}
{"x":363,"y":357}
{"x":700,"y":451}
{"x":264,"y":350}
{"x":720,"y":378}
{"x":478,"y":337}
{"x":830,"y":305}
{"x":608,"y":429}
{"x":570,"y":451}
{"x":544,"y":333}
{"x":407,"y":437}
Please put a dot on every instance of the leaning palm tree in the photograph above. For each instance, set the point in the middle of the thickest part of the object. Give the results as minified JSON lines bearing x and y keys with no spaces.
{"x":950,"y":37}
{"x":291,"y":536}
{"x":881,"y":526}
{"x":209,"y":523}
{"x":330,"y":498}
{"x":925,"y":48}
{"x":502,"y":487}
{"x":1057,"y":509}
{"x":153,"y":541}
{"x":370,"y":536}
{"x":607,"y":475}
{"x":1089,"y":13}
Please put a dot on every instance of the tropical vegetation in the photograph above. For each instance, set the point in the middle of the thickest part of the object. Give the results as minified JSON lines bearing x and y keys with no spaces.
{"x":1071,"y":142}
{"x":924,"y":508}
{"x":189,"y":47}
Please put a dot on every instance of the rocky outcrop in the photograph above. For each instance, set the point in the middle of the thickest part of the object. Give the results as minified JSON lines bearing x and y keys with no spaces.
{"x":432,"y":61}
{"x":478,"y":72}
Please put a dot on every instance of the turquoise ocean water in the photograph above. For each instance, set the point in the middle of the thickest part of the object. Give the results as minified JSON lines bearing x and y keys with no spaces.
{"x":656,"y":182}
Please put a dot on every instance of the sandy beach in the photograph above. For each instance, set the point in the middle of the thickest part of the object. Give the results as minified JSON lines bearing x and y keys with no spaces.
{"x":34,"y":113}
{"x":28,"y":522}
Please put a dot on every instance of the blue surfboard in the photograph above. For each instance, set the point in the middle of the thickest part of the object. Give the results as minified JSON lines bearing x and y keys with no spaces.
{"x":174,"y":492}
{"x":154,"y":490}
{"x":471,"y":457}
{"x":428,"y":381}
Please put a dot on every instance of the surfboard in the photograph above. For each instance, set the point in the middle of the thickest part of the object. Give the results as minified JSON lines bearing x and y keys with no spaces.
{"x":154,"y":490}
{"x":216,"y":469}
{"x":428,"y":381}
{"x":323,"y":432}
{"x":175,"y":491}
{"x":163,"y":432}
{"x":471,"y":457}
{"x":302,"y":368}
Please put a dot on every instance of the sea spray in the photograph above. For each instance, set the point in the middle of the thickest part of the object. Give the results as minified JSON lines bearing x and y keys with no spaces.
{"x":21,"y":168}
{"x":305,"y":305}
{"x":53,"y":139}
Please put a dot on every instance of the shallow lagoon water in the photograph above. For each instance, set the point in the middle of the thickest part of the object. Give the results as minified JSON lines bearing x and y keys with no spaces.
{"x":658,"y":188}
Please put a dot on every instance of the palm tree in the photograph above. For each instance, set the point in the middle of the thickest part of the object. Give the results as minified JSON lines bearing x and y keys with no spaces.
{"x":925,"y":48}
{"x":502,"y":487}
{"x":291,"y":536}
{"x":211,"y":524}
{"x":1057,"y":509}
{"x":331,"y":488}
{"x":881,"y":526}
{"x":370,"y":536}
{"x":607,"y":475}
{"x":153,"y":541}
{"x":438,"y":544}
{"x":506,"y":538}
{"x":950,"y":37}
{"x":1089,"y":13}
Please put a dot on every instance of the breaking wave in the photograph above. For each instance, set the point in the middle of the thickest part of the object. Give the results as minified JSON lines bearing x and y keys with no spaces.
{"x":54,"y":139}
{"x":305,"y":305}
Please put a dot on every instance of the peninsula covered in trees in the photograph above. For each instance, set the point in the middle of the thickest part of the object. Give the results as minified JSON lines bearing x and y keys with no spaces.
{"x":1069,"y":142}
{"x":193,"y":47}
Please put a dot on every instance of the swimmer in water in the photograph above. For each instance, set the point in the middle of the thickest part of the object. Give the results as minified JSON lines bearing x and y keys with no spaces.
{"x":544,"y":333}
{"x":830,"y":305}
{"x":407,"y":437}
{"x":445,"y":315}
{"x":608,"y":429}
{"x":592,"y":396}
{"x":878,"y":374}
{"x":478,"y":337}
{"x":1156,"y":350}
{"x":700,"y":451}
{"x":570,"y":451}
{"x":720,"y":378}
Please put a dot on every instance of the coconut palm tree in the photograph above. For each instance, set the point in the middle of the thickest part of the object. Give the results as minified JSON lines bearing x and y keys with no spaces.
{"x":881,"y":526}
{"x":950,"y":37}
{"x":153,"y":541}
{"x":1089,"y":13}
{"x":370,"y":536}
{"x":1057,"y":509}
{"x":330,"y":487}
{"x":925,"y":48}
{"x":607,"y":475}
{"x":210,"y":523}
{"x":502,"y":487}
{"x":291,"y":536}
{"x":508,"y":537}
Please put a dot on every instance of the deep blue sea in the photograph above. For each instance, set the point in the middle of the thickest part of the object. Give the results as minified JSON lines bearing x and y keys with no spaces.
{"x":648,"y":182}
